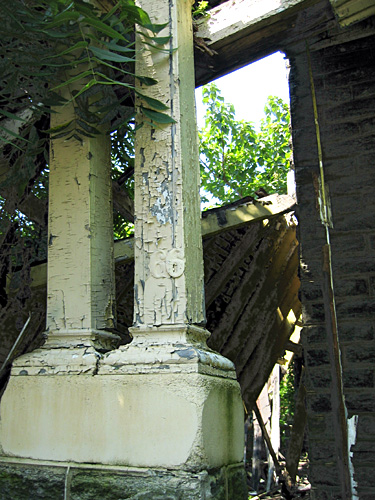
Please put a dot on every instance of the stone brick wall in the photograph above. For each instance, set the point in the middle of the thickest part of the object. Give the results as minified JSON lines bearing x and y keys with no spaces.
{"x":343,"y":70}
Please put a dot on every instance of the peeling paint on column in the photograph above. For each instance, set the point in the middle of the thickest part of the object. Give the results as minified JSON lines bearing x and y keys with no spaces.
{"x":80,"y":252}
{"x":168,"y":247}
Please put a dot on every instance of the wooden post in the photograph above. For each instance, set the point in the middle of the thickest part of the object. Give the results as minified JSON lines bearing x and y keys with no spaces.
{"x":80,"y":284}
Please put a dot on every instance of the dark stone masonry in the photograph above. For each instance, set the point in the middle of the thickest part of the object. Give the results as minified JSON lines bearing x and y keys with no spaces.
{"x":342,"y":65}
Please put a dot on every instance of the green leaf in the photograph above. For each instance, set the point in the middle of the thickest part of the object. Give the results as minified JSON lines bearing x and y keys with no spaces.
{"x":110,"y":56}
{"x":59,"y":128}
{"x":155,"y":28}
{"x":136,"y":13}
{"x":157,"y":117}
{"x":119,"y":48}
{"x":88,"y":128}
{"x":112,"y":11}
{"x":85,"y":8}
{"x":79,"y":45}
{"x":147,"y":80}
{"x":13,"y":134}
{"x":62,"y":18}
{"x":11,"y":115}
{"x":154,"y":103}
{"x":103,"y":28}
{"x":159,"y":40}
{"x":73,"y":79}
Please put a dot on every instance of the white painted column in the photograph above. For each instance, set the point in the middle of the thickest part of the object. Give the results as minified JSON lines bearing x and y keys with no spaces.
{"x":80,"y":284}
{"x":168,"y":244}
{"x":168,"y":364}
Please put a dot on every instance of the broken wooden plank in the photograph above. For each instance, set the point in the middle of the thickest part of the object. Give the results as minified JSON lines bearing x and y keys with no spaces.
{"x":352,"y":11}
{"x":219,"y":220}
{"x":267,"y":439}
{"x":216,"y":220}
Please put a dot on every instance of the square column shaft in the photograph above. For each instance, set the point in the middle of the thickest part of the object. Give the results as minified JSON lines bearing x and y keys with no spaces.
{"x":169,"y":286}
{"x":80,"y":252}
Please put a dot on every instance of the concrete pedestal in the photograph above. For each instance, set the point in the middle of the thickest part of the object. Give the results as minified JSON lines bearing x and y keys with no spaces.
{"x":160,"y":419}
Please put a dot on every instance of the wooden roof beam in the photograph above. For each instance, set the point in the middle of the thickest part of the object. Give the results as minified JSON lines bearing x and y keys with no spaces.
{"x":243,"y":31}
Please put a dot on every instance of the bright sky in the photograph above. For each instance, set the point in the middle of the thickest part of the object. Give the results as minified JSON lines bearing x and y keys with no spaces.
{"x":248,"y":88}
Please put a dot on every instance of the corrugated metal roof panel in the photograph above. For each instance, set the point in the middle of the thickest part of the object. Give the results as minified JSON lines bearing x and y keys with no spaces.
{"x":352,"y":11}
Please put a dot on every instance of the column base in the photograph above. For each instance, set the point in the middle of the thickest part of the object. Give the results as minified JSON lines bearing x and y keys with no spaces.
{"x":150,"y":404}
{"x":22,"y":479}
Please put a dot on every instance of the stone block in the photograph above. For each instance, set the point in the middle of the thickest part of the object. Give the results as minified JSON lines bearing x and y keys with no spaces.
{"x":347,"y":266}
{"x":360,"y":353}
{"x":33,"y":480}
{"x":319,"y":377}
{"x":324,"y":473}
{"x":319,"y":403}
{"x":349,"y":111}
{"x":143,"y":420}
{"x":310,"y":291}
{"x":356,"y":308}
{"x":364,"y":458}
{"x":364,"y":476}
{"x":322,"y":492}
{"x":313,"y":312}
{"x":361,"y":401}
{"x":30,"y":483}
{"x":366,"y":427}
{"x":314,"y":335}
{"x":346,"y":244}
{"x":112,"y":485}
{"x":322,"y":449}
{"x":311,"y":269}
{"x":358,"y":378}
{"x":351,"y":287}
{"x":320,"y":425}
{"x":237,"y":484}
{"x":355,"y":331}
{"x":372,"y":285}
{"x":347,"y":221}
{"x":317,"y":357}
{"x":365,"y":494}
{"x":356,"y":183}
{"x":372,"y":241}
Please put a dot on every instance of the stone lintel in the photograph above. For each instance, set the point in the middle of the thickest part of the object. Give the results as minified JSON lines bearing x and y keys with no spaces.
{"x":244,"y":31}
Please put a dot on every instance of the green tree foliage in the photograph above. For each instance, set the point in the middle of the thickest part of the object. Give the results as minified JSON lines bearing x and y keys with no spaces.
{"x":287,"y":402}
{"x":236,"y":159}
